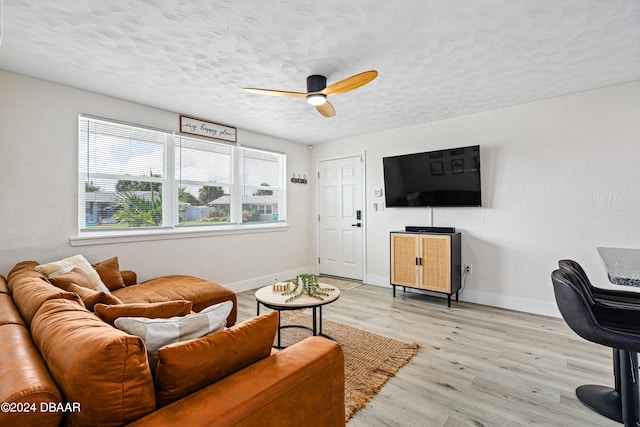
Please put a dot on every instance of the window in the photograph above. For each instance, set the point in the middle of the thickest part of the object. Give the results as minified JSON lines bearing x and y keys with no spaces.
{"x":204,"y":180}
{"x":134,"y":178}
{"x":261,"y":178}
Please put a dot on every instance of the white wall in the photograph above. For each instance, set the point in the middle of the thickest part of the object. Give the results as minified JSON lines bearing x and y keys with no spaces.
{"x":38,"y":200}
{"x":559,"y":178}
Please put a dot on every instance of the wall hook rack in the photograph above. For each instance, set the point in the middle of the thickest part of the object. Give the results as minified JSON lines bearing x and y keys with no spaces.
{"x":298,"y":179}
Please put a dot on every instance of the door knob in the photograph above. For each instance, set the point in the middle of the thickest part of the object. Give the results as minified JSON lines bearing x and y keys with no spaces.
{"x":356,"y":225}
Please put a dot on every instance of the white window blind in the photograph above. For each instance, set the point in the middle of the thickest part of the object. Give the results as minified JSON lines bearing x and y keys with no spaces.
{"x":132,"y":177}
{"x":122,"y":169}
{"x":204,"y":180}
{"x":261,"y":181}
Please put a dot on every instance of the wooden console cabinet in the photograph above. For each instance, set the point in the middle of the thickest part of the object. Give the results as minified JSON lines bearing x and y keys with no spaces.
{"x":427,"y":261}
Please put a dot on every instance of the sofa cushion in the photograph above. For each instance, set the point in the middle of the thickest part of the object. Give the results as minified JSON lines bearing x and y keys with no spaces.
{"x":31,"y":289}
{"x":77,"y":281}
{"x":56,"y":268}
{"x":90,"y":297}
{"x":109,"y":272}
{"x":21,"y":270}
{"x":129,"y":277}
{"x":186,"y":367}
{"x":25,"y":379}
{"x":77,"y":276}
{"x":157,"y":333}
{"x":3,"y":286}
{"x":98,"y":366}
{"x":9,"y":316}
{"x":164,"y":310}
{"x":202,"y":293}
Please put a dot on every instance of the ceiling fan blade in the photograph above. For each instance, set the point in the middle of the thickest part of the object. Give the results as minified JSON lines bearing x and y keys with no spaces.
{"x":275,"y":92}
{"x":326,"y":109}
{"x":350,"y":83}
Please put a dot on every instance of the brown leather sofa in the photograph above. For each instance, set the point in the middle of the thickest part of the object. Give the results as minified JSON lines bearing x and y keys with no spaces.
{"x":63,"y":365}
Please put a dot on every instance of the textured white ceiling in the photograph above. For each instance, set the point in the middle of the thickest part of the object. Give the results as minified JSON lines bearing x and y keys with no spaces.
{"x":436,"y":58}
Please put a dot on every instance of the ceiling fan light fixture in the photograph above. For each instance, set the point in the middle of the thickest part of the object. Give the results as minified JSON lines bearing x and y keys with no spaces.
{"x":316,"y":99}
{"x":318,"y":91}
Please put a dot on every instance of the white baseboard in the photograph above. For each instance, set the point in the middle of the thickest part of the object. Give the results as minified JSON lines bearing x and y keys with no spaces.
{"x":511,"y":303}
{"x":487,"y":298}
{"x":476,"y":297}
{"x":258,"y":282}
{"x":372,"y":279}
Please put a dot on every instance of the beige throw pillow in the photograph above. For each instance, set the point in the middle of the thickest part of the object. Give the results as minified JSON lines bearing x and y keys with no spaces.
{"x":157,"y":333}
{"x":63,"y":266}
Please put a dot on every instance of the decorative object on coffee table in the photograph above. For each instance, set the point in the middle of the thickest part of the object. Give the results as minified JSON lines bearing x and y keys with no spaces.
{"x":307,"y":284}
{"x":281,"y":287}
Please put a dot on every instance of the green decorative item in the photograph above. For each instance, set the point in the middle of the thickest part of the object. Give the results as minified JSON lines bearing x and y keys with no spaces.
{"x":306,"y":284}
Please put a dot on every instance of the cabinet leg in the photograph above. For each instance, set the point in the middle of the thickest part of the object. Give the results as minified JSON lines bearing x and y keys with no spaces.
{"x":456,"y":296}
{"x":449,"y":300}
{"x":394,"y":290}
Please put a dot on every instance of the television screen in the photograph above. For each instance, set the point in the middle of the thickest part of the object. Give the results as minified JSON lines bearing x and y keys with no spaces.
{"x":434,"y":178}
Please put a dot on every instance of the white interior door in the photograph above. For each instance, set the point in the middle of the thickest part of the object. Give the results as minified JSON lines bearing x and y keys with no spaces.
{"x":340,"y":219}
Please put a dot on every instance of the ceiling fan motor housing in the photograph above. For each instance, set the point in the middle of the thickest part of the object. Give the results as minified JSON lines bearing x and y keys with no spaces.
{"x":316,"y":83}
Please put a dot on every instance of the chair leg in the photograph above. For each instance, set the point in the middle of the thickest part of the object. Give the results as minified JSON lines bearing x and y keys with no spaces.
{"x":616,"y":369}
{"x":629,"y":387}
{"x":606,"y":401}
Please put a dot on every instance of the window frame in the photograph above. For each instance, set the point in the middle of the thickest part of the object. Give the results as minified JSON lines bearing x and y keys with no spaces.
{"x":170,"y":226}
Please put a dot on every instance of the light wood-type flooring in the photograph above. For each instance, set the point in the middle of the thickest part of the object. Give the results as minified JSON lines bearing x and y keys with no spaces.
{"x":476,"y":366}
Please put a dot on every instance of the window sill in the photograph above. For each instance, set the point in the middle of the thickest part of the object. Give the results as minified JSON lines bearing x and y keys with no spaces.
{"x":105,"y":238}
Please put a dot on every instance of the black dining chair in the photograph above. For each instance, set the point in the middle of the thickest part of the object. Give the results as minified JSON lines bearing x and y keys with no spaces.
{"x":603,"y":301}
{"x":601,"y":294}
{"x":577,"y":305}
{"x":606,"y":302}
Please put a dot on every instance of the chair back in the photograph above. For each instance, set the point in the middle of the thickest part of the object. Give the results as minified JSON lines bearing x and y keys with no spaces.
{"x":573,"y":305}
{"x":570,"y":264}
{"x":581,"y":278}
{"x":579,"y":315}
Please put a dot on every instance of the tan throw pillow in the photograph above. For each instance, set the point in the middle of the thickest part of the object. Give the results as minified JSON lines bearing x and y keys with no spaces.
{"x":109,"y":272}
{"x":63,"y":266}
{"x":155,"y":310}
{"x":77,"y":276}
{"x":90,"y":297}
{"x":157,"y":333}
{"x":186,"y":367}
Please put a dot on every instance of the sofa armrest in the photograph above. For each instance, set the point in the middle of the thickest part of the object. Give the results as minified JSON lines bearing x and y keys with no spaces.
{"x":301,"y":385}
{"x":130,"y":277}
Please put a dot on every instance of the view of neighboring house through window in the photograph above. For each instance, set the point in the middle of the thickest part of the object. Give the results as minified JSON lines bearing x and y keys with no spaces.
{"x":133,"y":177}
{"x":259,"y":170}
{"x":203,"y":173}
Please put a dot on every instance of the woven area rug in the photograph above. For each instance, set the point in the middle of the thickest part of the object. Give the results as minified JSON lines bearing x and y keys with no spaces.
{"x":342,"y":284}
{"x":370,"y":359}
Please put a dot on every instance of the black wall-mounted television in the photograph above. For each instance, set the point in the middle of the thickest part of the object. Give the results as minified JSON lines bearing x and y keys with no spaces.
{"x":435,"y":178}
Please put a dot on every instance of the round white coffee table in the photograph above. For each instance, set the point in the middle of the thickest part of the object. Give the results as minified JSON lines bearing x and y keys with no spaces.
{"x":275,"y":300}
